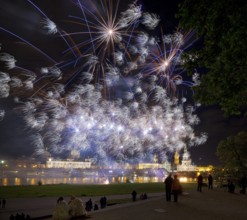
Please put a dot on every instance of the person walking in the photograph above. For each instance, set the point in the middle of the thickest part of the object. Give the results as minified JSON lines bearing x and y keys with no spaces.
{"x":176,"y":188}
{"x":199,"y":183}
{"x":210,"y":181}
{"x":168,"y":182}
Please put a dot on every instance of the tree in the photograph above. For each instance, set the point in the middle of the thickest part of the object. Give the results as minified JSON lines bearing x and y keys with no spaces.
{"x":233,"y":153}
{"x":221,"y":25}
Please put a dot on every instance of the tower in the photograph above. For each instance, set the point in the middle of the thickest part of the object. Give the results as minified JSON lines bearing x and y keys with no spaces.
{"x":186,"y":161}
{"x":176,"y":158}
{"x":186,"y":165}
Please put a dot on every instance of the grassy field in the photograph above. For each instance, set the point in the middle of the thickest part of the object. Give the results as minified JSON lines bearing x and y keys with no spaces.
{"x":82,"y":190}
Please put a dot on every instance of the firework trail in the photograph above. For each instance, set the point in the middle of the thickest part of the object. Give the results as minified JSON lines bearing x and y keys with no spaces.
{"x":64,"y":105}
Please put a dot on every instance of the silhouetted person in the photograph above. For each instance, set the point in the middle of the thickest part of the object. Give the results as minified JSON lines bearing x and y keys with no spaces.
{"x":60,"y":199}
{"x":28,"y":217}
{"x":103,"y":202}
{"x":243,"y":184}
{"x":96,"y":207}
{"x":3,"y":203}
{"x":199,"y":183}
{"x":11,"y":217}
{"x":142,"y":196}
{"x":231,"y":187}
{"x":89,"y":205}
{"x":22,"y":216}
{"x":17,"y":216}
{"x":134,"y":193}
{"x":176,"y":188}
{"x":168,"y":183}
{"x":210,"y":181}
{"x":145,"y":196}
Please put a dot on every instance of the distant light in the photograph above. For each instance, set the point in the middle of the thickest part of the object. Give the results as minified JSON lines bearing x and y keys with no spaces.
{"x":183,"y":179}
{"x":106,"y":182}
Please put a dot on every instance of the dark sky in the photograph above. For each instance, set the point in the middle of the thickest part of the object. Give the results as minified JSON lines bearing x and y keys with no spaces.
{"x":21,"y":18}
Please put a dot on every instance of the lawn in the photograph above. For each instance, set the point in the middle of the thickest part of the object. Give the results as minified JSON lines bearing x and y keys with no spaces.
{"x":82,"y":190}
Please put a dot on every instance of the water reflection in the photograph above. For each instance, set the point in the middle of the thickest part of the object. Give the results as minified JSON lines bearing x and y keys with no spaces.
{"x":79,"y":176}
{"x":18,"y":181}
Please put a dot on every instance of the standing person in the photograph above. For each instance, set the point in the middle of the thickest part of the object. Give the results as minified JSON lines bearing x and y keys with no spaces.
{"x":176,"y":188}
{"x":134,"y":193}
{"x":89,"y":205}
{"x":231,"y":186}
{"x":103,"y":202}
{"x":3,"y":203}
{"x":168,"y":183}
{"x":199,"y":183}
{"x":243,"y":182}
{"x":210,"y":181}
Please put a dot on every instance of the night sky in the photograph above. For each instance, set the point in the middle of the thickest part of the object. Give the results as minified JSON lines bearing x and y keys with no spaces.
{"x":19,"y":17}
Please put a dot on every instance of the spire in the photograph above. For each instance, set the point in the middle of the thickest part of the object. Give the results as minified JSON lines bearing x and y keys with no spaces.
{"x":186,"y":155}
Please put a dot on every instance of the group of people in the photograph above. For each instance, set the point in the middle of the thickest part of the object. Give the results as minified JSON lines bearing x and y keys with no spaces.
{"x":75,"y":208}
{"x":230,"y":184}
{"x":18,"y":216}
{"x":64,"y":210}
{"x":200,"y":182}
{"x":173,"y":186}
{"x":143,"y":196}
{"x":242,"y":185}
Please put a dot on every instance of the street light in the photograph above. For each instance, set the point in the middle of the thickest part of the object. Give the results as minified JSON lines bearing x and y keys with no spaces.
{"x":2,"y":168}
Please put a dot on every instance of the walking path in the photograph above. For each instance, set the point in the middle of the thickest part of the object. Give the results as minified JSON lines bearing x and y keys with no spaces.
{"x":214,"y":204}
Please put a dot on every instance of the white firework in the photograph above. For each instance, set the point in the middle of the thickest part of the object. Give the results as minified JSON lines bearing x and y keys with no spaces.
{"x":68,"y":111}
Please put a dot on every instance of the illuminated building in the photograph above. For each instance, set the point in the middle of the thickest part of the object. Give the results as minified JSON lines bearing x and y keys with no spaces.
{"x":68,"y":164}
{"x":186,"y":163}
{"x":141,"y":166}
{"x":202,"y":169}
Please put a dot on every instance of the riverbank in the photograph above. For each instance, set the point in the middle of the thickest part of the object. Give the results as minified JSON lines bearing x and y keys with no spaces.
{"x":214,"y":204}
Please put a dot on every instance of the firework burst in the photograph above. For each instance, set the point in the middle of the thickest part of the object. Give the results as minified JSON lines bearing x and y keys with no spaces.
{"x":65,"y":107}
